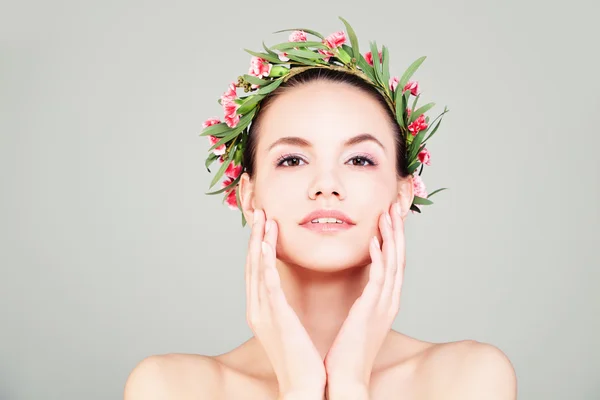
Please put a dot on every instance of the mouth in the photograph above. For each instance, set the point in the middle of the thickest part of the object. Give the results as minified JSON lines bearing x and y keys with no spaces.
{"x":327,"y":221}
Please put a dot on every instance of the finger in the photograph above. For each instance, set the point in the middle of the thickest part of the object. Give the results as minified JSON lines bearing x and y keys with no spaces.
{"x":400,"y":254}
{"x":255,"y":255}
{"x":389,"y":258}
{"x":271,"y":233}
{"x":266,"y":255}
{"x":271,"y":283}
{"x":268,"y":263}
{"x":372,"y":290}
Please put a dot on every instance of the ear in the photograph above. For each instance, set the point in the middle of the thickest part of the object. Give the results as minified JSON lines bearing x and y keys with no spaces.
{"x":405,"y":194}
{"x":246,"y":188}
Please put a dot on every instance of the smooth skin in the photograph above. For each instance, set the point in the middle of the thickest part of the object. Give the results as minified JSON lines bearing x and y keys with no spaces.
{"x":321,"y":306}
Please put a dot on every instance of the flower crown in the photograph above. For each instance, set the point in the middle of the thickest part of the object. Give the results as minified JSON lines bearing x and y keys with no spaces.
{"x":278,"y":63}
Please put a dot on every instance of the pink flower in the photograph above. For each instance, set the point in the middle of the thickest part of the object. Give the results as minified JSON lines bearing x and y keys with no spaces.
{"x":220,"y":149}
{"x":230,"y":106}
{"x":283,"y":57}
{"x":419,"y":188}
{"x":230,"y":93}
{"x":297,"y":36}
{"x":413,"y":86}
{"x":408,"y":111}
{"x":233,"y":171}
{"x":418,"y":125}
{"x":210,"y":122}
{"x":394,"y":83}
{"x":230,"y":109}
{"x":335,"y":40}
{"x":424,"y":156}
{"x":327,"y":53}
{"x":259,"y":67}
{"x":230,"y":199}
{"x":369,"y":58}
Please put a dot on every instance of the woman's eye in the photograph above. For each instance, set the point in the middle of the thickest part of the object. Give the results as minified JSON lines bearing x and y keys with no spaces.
{"x":361,"y":161}
{"x":294,"y":161}
{"x":289,"y":161}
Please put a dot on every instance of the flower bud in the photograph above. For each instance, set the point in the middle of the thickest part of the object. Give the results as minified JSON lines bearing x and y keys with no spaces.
{"x":278,"y":71}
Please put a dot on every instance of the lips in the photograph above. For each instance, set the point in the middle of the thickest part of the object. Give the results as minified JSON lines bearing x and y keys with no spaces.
{"x":323,"y":213}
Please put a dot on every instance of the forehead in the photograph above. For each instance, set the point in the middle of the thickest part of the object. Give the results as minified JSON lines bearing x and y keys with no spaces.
{"x":325,"y":112}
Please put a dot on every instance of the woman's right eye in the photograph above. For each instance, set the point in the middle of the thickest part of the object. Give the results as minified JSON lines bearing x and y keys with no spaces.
{"x":289,"y":161}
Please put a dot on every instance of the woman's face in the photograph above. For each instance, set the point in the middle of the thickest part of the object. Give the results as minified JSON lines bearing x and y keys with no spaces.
{"x":325,"y":146}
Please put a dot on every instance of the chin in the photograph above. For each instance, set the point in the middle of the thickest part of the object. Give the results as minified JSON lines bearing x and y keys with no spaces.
{"x":326,"y":253}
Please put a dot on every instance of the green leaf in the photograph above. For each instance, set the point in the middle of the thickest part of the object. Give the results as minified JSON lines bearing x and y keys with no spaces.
{"x":437,"y":125}
{"x":415,"y":146}
{"x":239,"y":204}
{"x":422,"y":110}
{"x":252,"y":101}
{"x":366,"y":67}
{"x":302,"y":61}
{"x":215,"y":130}
{"x":256,"y":80}
{"x":422,"y":201}
{"x":242,"y":124}
{"x":376,"y":62}
{"x":415,"y":208}
{"x":268,"y":89}
{"x":436,"y":191}
{"x":239,"y":154}
{"x":265,"y":56}
{"x":269,"y":51}
{"x":415,"y":103}
{"x":221,"y":170}
{"x":308,"y":54}
{"x":405,"y":97}
{"x":235,"y":181}
{"x":353,"y":39}
{"x":401,"y":109}
{"x":291,"y":45}
{"x":385,"y":57}
{"x":209,"y":160}
{"x":410,"y":71}
{"x":413,"y":166}
{"x":348,"y":50}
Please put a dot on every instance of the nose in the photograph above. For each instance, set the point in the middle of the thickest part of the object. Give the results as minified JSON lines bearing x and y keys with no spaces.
{"x":326,"y":184}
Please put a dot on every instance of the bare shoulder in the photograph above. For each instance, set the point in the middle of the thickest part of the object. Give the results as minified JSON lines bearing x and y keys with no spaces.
{"x":175,"y":376}
{"x":469,"y":369}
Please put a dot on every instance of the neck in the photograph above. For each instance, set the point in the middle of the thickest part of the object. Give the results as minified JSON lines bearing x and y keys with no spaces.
{"x":322,"y":300}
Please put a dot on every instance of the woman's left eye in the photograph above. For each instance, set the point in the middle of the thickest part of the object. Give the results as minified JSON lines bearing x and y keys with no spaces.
{"x":360,"y":161}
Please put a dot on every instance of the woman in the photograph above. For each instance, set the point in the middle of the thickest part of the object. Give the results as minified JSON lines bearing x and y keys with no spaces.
{"x":325,"y":176}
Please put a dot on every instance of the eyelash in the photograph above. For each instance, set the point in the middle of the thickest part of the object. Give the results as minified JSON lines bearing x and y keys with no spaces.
{"x":288,"y":157}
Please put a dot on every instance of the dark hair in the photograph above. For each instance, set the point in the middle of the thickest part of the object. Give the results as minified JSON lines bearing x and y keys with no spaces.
{"x":330,"y":75}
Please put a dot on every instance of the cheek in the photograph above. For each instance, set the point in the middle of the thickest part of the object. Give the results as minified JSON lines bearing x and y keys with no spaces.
{"x":372,"y":190}
{"x":279,"y":193}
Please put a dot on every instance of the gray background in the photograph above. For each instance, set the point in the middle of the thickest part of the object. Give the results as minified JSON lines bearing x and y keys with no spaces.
{"x":111,"y":252}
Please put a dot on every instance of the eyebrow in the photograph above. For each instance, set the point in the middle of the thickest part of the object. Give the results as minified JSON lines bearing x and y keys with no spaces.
{"x":298,"y":141}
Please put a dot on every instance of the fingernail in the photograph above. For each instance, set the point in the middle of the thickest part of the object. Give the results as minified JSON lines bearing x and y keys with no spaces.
{"x":267,"y":225}
{"x":389,"y":219}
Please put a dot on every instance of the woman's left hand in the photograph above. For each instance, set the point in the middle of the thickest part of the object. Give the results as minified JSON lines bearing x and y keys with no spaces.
{"x":350,"y":359}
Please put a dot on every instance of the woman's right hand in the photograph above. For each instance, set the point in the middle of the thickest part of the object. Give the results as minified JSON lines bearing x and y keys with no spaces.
{"x":297,"y":364}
